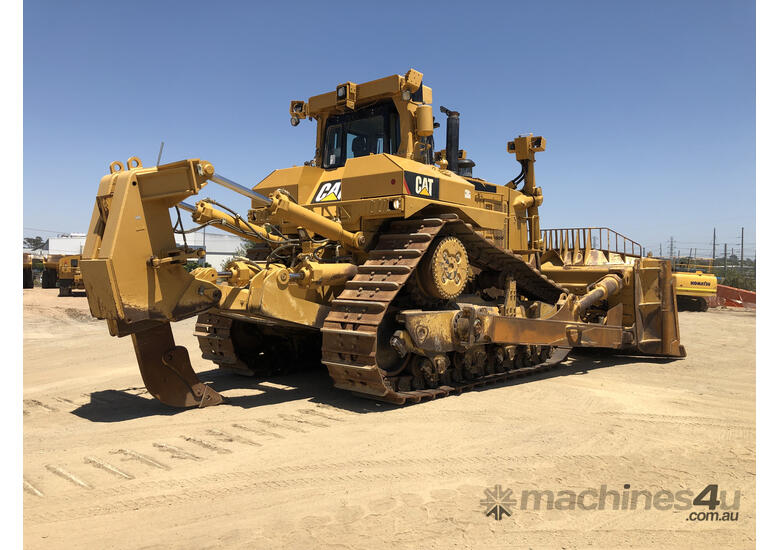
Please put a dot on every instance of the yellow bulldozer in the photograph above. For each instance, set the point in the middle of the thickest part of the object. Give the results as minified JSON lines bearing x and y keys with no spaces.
{"x":62,"y":271}
{"x":384,"y":259}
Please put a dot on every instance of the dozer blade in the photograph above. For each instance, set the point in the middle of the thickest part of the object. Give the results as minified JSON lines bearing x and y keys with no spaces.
{"x":167,"y":371}
{"x":656,"y":323}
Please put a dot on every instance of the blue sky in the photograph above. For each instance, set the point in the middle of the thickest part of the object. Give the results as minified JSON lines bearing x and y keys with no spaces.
{"x":648,"y":107}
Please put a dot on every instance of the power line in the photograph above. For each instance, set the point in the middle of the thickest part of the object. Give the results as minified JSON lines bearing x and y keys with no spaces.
{"x":47,"y":230}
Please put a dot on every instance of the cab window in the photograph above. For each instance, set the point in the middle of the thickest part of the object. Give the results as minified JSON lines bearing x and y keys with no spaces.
{"x":372,"y":130}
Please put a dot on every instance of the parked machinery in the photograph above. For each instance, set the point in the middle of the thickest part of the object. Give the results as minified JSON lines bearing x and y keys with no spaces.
{"x":63,"y":272}
{"x":51,"y":264}
{"x":69,"y":275}
{"x":27,"y":270}
{"x":693,"y":289}
{"x":387,"y":261}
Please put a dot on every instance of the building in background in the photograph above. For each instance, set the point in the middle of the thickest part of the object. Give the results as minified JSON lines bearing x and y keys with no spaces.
{"x":219,"y":246}
{"x":66,"y":244}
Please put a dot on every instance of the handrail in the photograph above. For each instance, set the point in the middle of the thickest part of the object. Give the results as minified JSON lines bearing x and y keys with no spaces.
{"x":569,"y":237}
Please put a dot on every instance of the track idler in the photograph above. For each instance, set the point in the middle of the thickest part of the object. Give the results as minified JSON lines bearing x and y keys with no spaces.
{"x":167,"y":371}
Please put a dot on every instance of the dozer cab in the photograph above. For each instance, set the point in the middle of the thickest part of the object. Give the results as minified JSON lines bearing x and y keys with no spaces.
{"x":382,"y":258}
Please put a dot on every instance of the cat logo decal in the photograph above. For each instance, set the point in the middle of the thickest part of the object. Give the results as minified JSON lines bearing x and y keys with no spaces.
{"x":328,"y":191}
{"x":421,"y":186}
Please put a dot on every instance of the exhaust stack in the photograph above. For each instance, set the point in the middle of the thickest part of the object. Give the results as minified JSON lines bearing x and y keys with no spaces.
{"x":453,"y":139}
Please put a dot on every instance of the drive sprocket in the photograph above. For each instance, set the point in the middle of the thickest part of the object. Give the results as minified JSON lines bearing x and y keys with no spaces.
{"x":443,"y":272}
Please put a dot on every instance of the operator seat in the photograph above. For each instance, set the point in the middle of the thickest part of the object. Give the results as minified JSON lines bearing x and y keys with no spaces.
{"x":359,"y":146}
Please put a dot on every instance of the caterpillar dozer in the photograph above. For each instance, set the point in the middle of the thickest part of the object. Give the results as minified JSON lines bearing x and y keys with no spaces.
{"x":63,"y":272}
{"x":387,"y":261}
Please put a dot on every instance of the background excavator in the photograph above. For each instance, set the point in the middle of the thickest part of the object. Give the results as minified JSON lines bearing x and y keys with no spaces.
{"x":386,"y":260}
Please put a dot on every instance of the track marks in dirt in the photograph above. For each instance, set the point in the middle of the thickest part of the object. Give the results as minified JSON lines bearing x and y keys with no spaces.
{"x":34,"y":404}
{"x":259,"y":431}
{"x":301,"y":423}
{"x":319,"y":476}
{"x":176,"y":452}
{"x":31,"y":489}
{"x":101,"y":464}
{"x":315,"y":412}
{"x":302,"y":420}
{"x":396,"y":469}
{"x":218,"y":441}
{"x":65,"y":474}
{"x":206,"y":445}
{"x":272,"y":424}
{"x":68,"y":402}
{"x":64,"y":404}
{"x":149,"y":461}
{"x":683,"y":420}
{"x":329,"y":476}
{"x":228,"y":438}
{"x":181,"y":491}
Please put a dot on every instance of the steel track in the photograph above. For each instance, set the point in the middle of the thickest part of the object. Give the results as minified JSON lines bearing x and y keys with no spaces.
{"x":350,"y":331}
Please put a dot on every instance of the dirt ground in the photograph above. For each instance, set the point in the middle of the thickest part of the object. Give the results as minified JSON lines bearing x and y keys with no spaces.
{"x":294,"y":463}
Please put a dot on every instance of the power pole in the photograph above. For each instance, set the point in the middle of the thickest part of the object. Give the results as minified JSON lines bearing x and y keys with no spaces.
{"x":725,"y":261}
{"x":671,"y":247}
{"x":742,"y":250}
{"x":713,"y":244}
{"x":661,"y":250}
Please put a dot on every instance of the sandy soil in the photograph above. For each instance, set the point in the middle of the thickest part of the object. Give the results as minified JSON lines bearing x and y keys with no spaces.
{"x":293,"y":463}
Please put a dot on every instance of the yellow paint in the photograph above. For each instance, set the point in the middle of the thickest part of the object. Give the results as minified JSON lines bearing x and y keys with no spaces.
{"x":695,"y":284}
